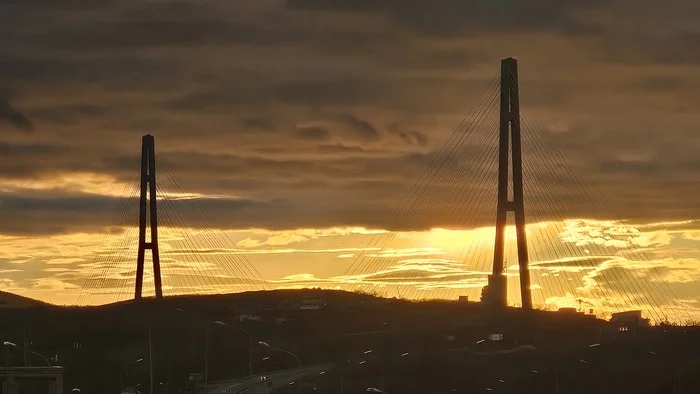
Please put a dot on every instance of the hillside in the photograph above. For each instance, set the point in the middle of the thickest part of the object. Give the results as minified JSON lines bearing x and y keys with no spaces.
{"x":14,"y":301}
{"x":408,"y":346}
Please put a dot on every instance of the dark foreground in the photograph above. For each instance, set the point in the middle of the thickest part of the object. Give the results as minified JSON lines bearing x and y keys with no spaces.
{"x":390,"y":345}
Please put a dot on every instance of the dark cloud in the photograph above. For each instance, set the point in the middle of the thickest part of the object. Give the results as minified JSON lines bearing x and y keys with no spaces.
{"x":15,"y":118}
{"x":329,"y":93}
{"x":34,"y":161}
{"x":258,"y":124}
{"x":363,"y":130}
{"x":313,"y":133}
{"x":454,"y":17}
{"x":326,"y":112}
{"x":637,"y":167}
{"x":411,"y":137}
{"x":139,"y":24}
{"x":60,"y":212}
{"x":68,"y":114}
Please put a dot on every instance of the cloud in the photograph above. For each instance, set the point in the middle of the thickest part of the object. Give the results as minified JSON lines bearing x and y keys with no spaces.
{"x":299,"y":278}
{"x":449,"y":18}
{"x":14,"y":118}
{"x":313,"y":133}
{"x":51,"y":284}
{"x":611,"y":234}
{"x":282,"y":238}
{"x":342,"y":117}
{"x":275,"y":240}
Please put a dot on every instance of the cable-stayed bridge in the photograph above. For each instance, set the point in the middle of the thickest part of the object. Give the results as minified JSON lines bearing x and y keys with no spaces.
{"x":561,"y":247}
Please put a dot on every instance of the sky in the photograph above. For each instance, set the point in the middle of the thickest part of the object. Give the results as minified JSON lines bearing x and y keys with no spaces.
{"x":287,"y":133}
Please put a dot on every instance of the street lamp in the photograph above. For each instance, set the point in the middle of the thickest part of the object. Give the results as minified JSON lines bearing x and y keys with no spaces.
{"x":42,"y":356}
{"x":267,"y":345}
{"x":8,"y":345}
{"x":262,"y":360}
{"x":207,"y":338}
{"x":123,"y":374}
{"x":250,"y":344}
{"x":133,"y":362}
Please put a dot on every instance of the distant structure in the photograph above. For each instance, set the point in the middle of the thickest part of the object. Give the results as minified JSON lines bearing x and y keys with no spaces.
{"x":571,"y":311}
{"x":629,"y":320}
{"x":496,"y":292}
{"x":148,"y":213}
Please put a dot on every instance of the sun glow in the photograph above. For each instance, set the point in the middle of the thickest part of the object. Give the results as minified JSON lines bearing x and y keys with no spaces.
{"x":457,"y":240}
{"x":572,"y":263}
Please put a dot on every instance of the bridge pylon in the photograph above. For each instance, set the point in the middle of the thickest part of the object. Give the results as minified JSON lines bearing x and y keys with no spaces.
{"x":148,"y":217}
{"x":496,"y":292}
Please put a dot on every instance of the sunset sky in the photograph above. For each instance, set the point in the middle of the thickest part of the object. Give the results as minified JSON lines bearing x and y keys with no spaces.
{"x":288,"y":132}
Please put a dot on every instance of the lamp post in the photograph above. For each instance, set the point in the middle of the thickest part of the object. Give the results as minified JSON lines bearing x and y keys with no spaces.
{"x":267,"y":345}
{"x":123,"y":374}
{"x":206,"y":359}
{"x":250,"y":344}
{"x":262,"y":360}
{"x":557,"y":360}
{"x":8,"y":345}
{"x":207,"y":338}
{"x":43,"y":357}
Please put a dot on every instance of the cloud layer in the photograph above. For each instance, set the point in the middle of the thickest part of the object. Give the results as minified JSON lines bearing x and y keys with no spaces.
{"x":292,"y":105}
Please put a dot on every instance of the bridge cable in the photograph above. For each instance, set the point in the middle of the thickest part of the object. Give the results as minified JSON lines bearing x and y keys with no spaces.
{"x":438,"y":160}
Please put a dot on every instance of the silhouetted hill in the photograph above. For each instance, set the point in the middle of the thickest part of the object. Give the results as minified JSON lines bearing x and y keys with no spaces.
{"x":418,"y":346}
{"x":9,"y":300}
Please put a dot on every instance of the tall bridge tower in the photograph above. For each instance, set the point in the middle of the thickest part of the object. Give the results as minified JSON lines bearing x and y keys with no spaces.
{"x":496,"y":292}
{"x":148,"y":215}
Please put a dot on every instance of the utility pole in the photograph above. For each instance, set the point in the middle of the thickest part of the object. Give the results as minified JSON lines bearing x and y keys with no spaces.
{"x":381,"y":360}
{"x":8,"y":375}
{"x":381,"y":376}
{"x":148,"y":211}
{"x":150,"y":357}
{"x":676,"y":386}
{"x":25,"y":350}
{"x":206,"y":359}
{"x":9,"y":384}
{"x":496,"y":292}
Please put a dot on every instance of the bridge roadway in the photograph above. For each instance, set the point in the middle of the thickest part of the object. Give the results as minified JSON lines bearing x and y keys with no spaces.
{"x":266,"y":383}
